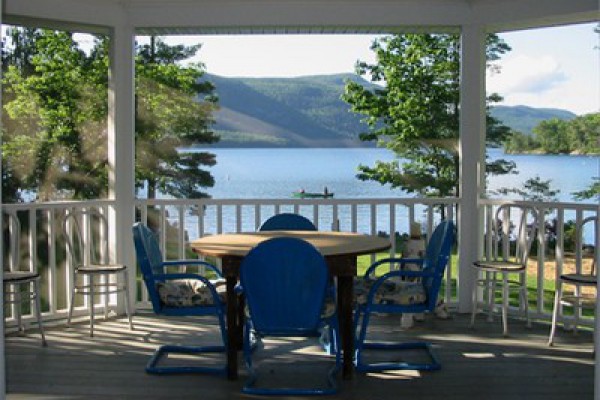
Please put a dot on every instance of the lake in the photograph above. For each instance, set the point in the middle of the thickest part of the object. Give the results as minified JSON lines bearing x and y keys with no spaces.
{"x":276,"y":173}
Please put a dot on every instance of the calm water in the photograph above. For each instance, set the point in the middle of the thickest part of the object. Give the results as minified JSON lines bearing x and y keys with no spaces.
{"x":275,"y":173}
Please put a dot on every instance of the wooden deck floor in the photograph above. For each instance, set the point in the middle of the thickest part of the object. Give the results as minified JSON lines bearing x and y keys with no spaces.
{"x":477,"y":364}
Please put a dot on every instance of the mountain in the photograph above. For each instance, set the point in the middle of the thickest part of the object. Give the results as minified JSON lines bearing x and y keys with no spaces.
{"x":523,"y":118}
{"x":308,"y":112}
{"x":286,"y":112}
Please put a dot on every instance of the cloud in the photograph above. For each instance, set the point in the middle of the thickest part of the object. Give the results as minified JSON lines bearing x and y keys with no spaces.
{"x":526,"y":75}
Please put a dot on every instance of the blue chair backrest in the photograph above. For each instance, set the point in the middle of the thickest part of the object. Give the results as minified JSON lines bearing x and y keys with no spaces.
{"x":287,"y":221}
{"x":437,"y":255}
{"x":284,"y":280}
{"x":150,"y":259}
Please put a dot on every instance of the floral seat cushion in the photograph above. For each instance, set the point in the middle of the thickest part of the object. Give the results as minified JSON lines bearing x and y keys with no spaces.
{"x":392,"y":291}
{"x":189,"y":292}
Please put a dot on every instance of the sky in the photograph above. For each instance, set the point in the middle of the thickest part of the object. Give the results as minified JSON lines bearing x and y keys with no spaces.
{"x":552,"y":67}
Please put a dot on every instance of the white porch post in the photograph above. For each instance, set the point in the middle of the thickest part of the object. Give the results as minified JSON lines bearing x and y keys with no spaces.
{"x":121,"y":149}
{"x":472,"y":158}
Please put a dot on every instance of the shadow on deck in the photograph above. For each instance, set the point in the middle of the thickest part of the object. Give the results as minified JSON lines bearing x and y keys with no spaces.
{"x":476,"y":363}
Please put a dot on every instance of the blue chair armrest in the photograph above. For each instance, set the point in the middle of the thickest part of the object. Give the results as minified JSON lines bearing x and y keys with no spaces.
{"x":401,"y":261}
{"x":193,"y":262}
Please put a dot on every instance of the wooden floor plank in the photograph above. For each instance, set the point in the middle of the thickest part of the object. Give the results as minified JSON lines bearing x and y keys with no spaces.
{"x":477,"y":363}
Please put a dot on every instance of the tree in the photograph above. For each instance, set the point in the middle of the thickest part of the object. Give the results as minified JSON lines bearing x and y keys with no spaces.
{"x":519,"y":142}
{"x":173,"y":110}
{"x":416,"y":112}
{"x":552,"y":136}
{"x":55,"y":136}
{"x":592,"y":191}
{"x":580,"y":135}
{"x":584,"y":132}
{"x":51,"y":103}
{"x":534,"y":189}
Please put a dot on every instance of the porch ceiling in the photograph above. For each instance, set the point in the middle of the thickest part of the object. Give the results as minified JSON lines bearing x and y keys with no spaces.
{"x":299,"y":16}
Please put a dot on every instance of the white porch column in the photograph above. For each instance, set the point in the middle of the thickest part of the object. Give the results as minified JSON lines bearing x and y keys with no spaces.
{"x":472,"y":157}
{"x":121,"y":148}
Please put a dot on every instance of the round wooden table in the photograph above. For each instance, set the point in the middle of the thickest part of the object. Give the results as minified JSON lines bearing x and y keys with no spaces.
{"x":340,"y":250}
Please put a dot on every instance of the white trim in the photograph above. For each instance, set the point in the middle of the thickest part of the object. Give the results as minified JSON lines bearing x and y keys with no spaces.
{"x":472,"y":158}
{"x":256,"y":16}
{"x":121,"y":148}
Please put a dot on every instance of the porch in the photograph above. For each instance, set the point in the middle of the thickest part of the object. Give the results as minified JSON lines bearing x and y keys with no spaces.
{"x":478,"y":363}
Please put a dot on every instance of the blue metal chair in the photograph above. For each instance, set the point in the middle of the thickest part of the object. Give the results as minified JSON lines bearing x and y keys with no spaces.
{"x":402,"y":291}
{"x":286,"y":284}
{"x":206,"y":302}
{"x":287,"y":221}
{"x":296,"y":222}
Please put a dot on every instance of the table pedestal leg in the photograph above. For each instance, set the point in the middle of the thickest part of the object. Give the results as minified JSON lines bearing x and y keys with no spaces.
{"x":345,"y":295}
{"x":233,"y":330}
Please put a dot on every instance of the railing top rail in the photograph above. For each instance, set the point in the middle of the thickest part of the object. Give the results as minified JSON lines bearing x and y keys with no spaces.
{"x":291,"y":201}
{"x":544,"y":204}
{"x":58,"y":205}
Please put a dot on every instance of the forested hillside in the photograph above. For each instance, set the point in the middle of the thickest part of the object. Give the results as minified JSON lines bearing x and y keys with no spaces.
{"x":308,"y":112}
{"x":523,"y":118}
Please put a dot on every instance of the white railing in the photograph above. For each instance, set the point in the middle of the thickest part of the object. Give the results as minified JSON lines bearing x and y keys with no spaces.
{"x":191,"y":219}
{"x":179,"y":221}
{"x":553,"y":254}
{"x":42,"y":248}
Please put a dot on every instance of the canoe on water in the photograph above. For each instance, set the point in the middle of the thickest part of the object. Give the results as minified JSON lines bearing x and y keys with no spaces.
{"x":308,"y":195}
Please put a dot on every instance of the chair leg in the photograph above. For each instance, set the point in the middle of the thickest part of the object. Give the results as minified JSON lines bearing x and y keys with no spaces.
{"x":127,"y":308}
{"x":38,"y":310}
{"x":577,"y":307}
{"x":491,"y":288}
{"x":505,"y":294}
{"x":72,"y":302}
{"x":91,"y":304}
{"x":106,"y":279}
{"x":153,"y":368}
{"x":474,"y":304}
{"x":362,"y":345}
{"x":16,"y":290}
{"x":557,"y":296}
{"x":525,"y":300}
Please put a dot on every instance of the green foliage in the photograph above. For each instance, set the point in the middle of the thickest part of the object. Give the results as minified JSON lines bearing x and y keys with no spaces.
{"x":520,"y":142}
{"x":237,"y":138}
{"x":592,"y":191}
{"x":579,"y":135}
{"x":523,"y":118}
{"x":55,"y":103}
{"x":52,"y":124}
{"x":173,"y":110}
{"x":551,"y":134}
{"x":293,"y":112}
{"x":416,"y":112}
{"x":534,"y":189}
